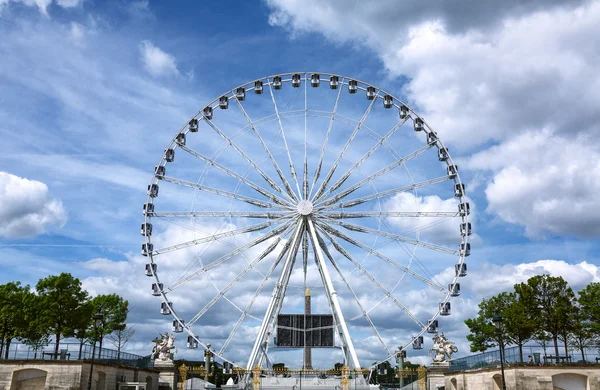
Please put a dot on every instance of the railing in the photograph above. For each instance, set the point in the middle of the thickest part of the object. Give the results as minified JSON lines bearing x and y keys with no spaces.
{"x":71,"y":351}
{"x":511,"y":356}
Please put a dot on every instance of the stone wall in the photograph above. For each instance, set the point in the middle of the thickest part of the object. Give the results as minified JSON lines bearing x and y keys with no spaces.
{"x":526,"y":378}
{"x":69,"y":375}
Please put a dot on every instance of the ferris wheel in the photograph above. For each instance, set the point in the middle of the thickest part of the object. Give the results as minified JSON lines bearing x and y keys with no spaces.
{"x":303,"y":182}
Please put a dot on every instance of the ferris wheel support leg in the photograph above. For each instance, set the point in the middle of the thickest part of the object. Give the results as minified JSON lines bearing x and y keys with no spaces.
{"x":337,"y":310}
{"x":276,"y":299}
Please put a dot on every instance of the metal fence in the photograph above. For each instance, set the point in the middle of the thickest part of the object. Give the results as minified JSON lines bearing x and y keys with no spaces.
{"x":71,"y":351}
{"x":537,"y":353}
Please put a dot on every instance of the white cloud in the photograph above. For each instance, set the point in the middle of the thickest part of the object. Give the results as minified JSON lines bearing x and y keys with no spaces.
{"x":531,"y":70}
{"x":437,"y":230}
{"x":26,"y":207}
{"x":43,"y":4}
{"x":503,"y":75}
{"x":544,"y":182}
{"x":156,"y":61}
{"x":491,"y":279}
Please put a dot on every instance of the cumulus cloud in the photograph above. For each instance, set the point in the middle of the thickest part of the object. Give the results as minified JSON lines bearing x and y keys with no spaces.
{"x":26,"y":207}
{"x":156,"y":61}
{"x":474,"y":83}
{"x":372,"y":20}
{"x":435,"y":229}
{"x":493,"y":72}
{"x":491,"y":279}
{"x":546,"y":183}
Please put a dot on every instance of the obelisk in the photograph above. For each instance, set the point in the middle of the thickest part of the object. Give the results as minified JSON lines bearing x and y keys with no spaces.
{"x":307,"y":349}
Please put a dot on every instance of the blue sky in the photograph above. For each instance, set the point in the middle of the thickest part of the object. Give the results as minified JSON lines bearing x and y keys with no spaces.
{"x":92,"y":92}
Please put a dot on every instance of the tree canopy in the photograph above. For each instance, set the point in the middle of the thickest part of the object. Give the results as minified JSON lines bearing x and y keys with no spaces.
{"x":543,"y":308}
{"x":59,"y":308}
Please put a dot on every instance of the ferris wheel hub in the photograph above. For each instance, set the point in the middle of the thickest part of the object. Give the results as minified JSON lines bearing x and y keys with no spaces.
{"x":305,"y":207}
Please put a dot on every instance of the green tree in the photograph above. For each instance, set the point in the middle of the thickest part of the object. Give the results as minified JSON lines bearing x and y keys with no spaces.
{"x":587,"y":329}
{"x":62,"y":298}
{"x":484,"y":334}
{"x":517,"y":326}
{"x":83,"y":327}
{"x":114,"y":311}
{"x":581,"y":336}
{"x":520,"y":326}
{"x":588,"y":301}
{"x":550,"y":300}
{"x":34,"y":332}
{"x":12,"y":301}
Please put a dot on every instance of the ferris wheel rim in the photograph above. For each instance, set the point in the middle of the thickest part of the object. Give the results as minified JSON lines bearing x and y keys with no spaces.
{"x":362,"y":86}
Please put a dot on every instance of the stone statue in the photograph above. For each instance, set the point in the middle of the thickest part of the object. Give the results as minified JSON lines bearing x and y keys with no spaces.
{"x":162,"y":350}
{"x":443,"y":348}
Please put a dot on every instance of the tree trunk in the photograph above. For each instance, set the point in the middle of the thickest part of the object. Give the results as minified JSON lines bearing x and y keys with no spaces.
{"x":582,"y":352}
{"x":566,"y":350}
{"x":100,"y":350}
{"x":57,"y":344}
{"x":80,"y":348}
{"x":555,"y":338}
{"x":520,"y":351}
{"x":1,"y":344}
{"x":119,"y":353}
{"x":7,"y":347}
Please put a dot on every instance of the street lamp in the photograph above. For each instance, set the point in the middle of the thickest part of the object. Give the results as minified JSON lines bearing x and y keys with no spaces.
{"x":98,"y":317}
{"x":497,"y":319}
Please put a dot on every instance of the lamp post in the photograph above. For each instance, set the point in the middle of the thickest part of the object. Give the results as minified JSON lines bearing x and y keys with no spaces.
{"x":400,"y":356}
{"x":98,"y":317}
{"x":497,"y":319}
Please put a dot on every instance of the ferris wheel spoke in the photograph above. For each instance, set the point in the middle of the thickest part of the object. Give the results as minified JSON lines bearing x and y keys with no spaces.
{"x":383,"y":194}
{"x":360,"y":306}
{"x":282,"y":177}
{"x":364,"y":158}
{"x":248,"y":307}
{"x":374,"y":280}
{"x":235,"y":280}
{"x":374,"y":176}
{"x":218,"y":236}
{"x":267,"y":178}
{"x":324,"y":147}
{"x":305,"y":175}
{"x":305,"y":253}
{"x":327,"y":228}
{"x":336,"y":310}
{"x":231,"y":214}
{"x":268,"y":324}
{"x":339,"y":157}
{"x":287,"y":149}
{"x":389,"y":214}
{"x":227,"y":256}
{"x":212,"y":190}
{"x":231,"y":173}
{"x":396,"y":237}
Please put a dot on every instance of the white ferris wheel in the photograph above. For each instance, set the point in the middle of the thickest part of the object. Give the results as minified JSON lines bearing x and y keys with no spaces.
{"x":306,"y":181}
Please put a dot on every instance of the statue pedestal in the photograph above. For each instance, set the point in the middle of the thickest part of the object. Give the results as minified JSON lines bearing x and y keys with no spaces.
{"x":167,"y":375}
{"x":435,"y":374}
{"x":163,"y":363}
